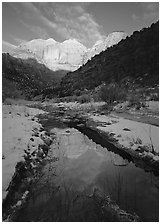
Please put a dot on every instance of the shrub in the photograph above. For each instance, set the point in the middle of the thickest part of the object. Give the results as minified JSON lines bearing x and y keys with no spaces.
{"x":73,"y":98}
{"x":57,"y":100}
{"x":112,"y":92}
{"x":84,"y":98}
{"x":134,"y":100}
{"x":155,"y":97}
{"x":96,"y":97}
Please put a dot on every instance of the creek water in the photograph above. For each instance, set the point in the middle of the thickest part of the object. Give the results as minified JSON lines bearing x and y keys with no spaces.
{"x":83,"y":165}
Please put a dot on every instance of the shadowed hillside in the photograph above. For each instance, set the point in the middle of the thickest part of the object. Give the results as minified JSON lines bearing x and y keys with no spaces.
{"x":27,"y":78}
{"x":135,"y":59}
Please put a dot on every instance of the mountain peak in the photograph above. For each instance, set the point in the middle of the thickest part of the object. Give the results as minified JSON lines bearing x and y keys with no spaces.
{"x":51,"y":40}
{"x":115,"y":37}
{"x":101,"y":45}
{"x":72,"y":41}
{"x":67,"y":55}
{"x":118,"y":31}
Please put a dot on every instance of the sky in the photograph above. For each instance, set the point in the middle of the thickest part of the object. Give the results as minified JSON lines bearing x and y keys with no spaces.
{"x":86,"y":22}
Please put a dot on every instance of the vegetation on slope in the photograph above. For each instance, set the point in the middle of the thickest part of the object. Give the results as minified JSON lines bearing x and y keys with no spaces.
{"x":27,"y":78}
{"x":134,"y":60}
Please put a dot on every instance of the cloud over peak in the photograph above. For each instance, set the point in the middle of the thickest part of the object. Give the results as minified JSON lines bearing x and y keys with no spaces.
{"x":67,"y":20}
{"x":7,"y":47}
{"x":88,"y":22}
{"x":75,"y":22}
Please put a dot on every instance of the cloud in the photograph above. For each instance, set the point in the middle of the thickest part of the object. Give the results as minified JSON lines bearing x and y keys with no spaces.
{"x":63,"y":20}
{"x":8,"y":44}
{"x":37,"y":30}
{"x":135,"y":17}
{"x":150,"y":11}
{"x":41,"y":33}
{"x":150,"y":6}
{"x":18,"y":40}
{"x":74,"y":22}
{"x":150,"y":16}
{"x":7,"y":47}
{"x":30,"y":12}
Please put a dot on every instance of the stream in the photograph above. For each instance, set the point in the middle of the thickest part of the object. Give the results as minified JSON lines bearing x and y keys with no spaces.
{"x":79,"y":164}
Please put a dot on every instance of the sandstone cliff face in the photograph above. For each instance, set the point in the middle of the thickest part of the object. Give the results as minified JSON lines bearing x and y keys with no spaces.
{"x":68,"y":55}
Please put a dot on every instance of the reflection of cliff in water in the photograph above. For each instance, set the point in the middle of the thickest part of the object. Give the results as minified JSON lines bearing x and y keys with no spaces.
{"x":83,"y":166}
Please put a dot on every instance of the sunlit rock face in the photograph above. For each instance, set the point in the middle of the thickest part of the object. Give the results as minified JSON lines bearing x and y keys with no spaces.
{"x":112,"y":39}
{"x":68,"y":55}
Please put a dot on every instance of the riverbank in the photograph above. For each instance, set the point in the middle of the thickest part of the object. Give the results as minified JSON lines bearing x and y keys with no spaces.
{"x":134,"y":136}
{"x":127,"y":129}
{"x":24,"y":142}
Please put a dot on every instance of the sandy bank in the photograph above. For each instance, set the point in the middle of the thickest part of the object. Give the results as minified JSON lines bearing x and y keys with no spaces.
{"x":18,"y":126}
{"x":130,"y":134}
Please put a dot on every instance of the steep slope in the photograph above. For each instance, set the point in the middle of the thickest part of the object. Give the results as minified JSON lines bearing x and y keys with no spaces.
{"x":68,"y":55}
{"x":26,"y":78}
{"x":135,"y":58}
{"x":112,"y":39}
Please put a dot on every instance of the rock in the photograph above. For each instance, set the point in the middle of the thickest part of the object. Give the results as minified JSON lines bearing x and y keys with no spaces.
{"x":47,"y":141}
{"x":68,"y":55}
{"x":41,"y":129}
{"x":45,"y":149}
{"x":126,"y":129}
{"x":32,"y":139}
{"x":112,"y":39}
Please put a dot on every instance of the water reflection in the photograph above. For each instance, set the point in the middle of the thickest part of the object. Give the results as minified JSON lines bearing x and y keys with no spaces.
{"x":85,"y":165}
{"x":61,"y":192}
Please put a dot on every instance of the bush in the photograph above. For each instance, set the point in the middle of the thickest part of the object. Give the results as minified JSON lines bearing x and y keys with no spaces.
{"x":96,"y":97}
{"x":84,"y":98}
{"x":112,"y":92}
{"x":134,"y":100}
{"x":81,"y":99}
{"x":155,"y":97}
{"x":73,"y":98}
{"x":57,"y":100}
